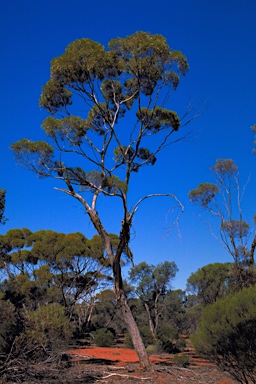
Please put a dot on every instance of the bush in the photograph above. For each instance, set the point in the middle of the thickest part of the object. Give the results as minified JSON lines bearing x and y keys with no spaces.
{"x":103,"y":338}
{"x":166,"y":332}
{"x":47,"y":330}
{"x":181,"y":360}
{"x":155,"y":348}
{"x":168,"y":347}
{"x":128,"y":341}
{"x":8,"y":326}
{"x":227,"y":334}
{"x":180,"y":345}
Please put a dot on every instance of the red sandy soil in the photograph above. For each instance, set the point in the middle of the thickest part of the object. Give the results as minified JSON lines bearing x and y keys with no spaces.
{"x":122,"y":365}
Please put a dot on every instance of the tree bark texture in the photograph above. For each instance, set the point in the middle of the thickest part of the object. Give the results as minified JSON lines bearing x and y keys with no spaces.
{"x":118,"y":284}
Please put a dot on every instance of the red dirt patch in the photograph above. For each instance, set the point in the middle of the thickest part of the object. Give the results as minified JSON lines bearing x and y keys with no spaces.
{"x":200,"y":370}
{"x":117,"y":355}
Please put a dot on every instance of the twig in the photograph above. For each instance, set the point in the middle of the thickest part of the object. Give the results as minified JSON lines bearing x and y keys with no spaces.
{"x":126,"y":376}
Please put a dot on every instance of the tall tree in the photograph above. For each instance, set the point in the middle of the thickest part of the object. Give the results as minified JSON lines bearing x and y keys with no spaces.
{"x":223,"y":200}
{"x":133,"y":76}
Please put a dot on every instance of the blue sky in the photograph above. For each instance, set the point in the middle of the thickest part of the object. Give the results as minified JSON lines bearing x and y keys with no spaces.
{"x":219,"y":40}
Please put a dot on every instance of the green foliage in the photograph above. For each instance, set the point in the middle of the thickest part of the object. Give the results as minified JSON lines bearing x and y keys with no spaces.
{"x":167,"y":333}
{"x":128,"y":341}
{"x":181,"y":360}
{"x":47,"y":266}
{"x":155,"y":348}
{"x":103,"y":337}
{"x":46,"y":329}
{"x":2,"y":206}
{"x":151,"y":284}
{"x":180,"y":344}
{"x":235,"y":228}
{"x":38,"y":154}
{"x":8,"y":326}
{"x":210,"y":282}
{"x":145,"y":334}
{"x":227,"y":334}
{"x":225,"y":168}
{"x":110,"y":81}
{"x":158,"y":118}
{"x":151,"y":279}
{"x":203,"y":194}
{"x":173,"y":310}
{"x":71,"y":126}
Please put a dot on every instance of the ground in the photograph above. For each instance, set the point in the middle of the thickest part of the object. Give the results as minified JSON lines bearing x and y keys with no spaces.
{"x":115,"y":365}
{"x":121,"y":365}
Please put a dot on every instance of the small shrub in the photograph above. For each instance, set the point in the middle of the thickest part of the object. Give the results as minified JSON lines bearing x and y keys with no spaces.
{"x":128,"y":341}
{"x":166,"y":332}
{"x":8,"y":326}
{"x":168,"y":346}
{"x":104,"y":338}
{"x":155,"y":348}
{"x":180,"y":345}
{"x":47,"y":327}
{"x":181,"y":360}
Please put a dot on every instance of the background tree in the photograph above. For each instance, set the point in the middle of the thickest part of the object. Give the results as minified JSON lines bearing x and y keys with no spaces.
{"x":210,"y":282}
{"x":173,"y":310}
{"x":107,"y":314}
{"x":46,"y":266}
{"x":134,"y":75}
{"x":223,"y":201}
{"x":2,"y":206}
{"x":227,"y":334}
{"x":205,"y":286}
{"x":151,"y":284}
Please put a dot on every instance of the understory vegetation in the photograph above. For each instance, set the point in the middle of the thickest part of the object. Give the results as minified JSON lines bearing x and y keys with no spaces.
{"x":56,"y":291}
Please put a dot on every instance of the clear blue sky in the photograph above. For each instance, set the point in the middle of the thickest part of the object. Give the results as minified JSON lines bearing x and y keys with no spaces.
{"x":219,"y":40}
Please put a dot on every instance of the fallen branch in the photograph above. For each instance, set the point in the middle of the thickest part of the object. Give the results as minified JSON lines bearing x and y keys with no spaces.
{"x":126,"y":376}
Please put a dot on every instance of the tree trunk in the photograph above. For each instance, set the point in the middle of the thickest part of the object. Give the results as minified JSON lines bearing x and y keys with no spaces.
{"x":128,"y":317}
{"x":118,"y":281}
{"x":150,"y":321}
{"x":134,"y":333}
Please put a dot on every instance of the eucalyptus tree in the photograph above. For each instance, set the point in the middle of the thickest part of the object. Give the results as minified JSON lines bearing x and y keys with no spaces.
{"x":47,"y":266}
{"x":151,"y":285}
{"x":133,"y":77}
{"x":210,"y":283}
{"x":223,"y":200}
